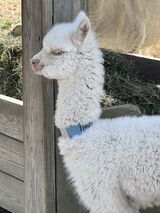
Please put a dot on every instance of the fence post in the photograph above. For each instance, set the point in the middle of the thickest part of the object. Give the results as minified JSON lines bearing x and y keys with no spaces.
{"x":66,"y":10}
{"x":38,"y":113}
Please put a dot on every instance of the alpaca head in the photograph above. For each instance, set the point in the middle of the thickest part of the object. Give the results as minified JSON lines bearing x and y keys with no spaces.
{"x":61,"y":45}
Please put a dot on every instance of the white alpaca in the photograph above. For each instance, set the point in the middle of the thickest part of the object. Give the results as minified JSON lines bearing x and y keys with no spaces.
{"x":115,"y":163}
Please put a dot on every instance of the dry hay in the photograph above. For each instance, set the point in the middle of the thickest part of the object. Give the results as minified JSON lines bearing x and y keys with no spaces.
{"x":123,"y":86}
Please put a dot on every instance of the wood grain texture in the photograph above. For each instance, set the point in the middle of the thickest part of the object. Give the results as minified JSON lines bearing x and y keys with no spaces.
{"x":49,"y":106}
{"x":64,"y":11}
{"x":11,"y":193}
{"x":12,"y":157}
{"x":11,"y":123}
{"x":121,"y":110}
{"x":38,"y":113}
{"x":147,"y":68}
{"x":151,"y":210}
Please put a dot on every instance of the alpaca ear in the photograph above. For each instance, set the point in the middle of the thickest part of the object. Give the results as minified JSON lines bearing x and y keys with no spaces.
{"x":83,"y":28}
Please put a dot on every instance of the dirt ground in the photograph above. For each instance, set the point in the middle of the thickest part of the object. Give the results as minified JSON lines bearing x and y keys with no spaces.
{"x":10,"y":15}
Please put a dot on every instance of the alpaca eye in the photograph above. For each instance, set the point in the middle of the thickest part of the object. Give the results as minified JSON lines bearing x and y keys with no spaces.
{"x":57,"y":53}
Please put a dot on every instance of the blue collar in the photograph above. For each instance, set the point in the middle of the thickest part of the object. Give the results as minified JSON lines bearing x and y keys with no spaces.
{"x":76,"y":129}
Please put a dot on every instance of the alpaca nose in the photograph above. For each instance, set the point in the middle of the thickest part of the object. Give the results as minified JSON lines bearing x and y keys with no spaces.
{"x":35,"y":62}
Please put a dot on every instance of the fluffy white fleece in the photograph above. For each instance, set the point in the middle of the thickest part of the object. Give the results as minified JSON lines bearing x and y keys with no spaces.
{"x":115,"y":164}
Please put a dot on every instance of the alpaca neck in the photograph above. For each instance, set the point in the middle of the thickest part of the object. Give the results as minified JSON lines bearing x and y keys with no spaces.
{"x":78,"y":99}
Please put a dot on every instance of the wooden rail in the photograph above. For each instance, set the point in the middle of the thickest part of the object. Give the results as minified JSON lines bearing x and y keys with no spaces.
{"x":11,"y":193}
{"x":11,"y":123}
{"x":11,"y":137}
{"x":11,"y":155}
{"x":147,"y":68}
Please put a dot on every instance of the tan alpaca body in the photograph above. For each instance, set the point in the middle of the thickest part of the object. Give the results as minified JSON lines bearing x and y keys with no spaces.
{"x":127,"y":25}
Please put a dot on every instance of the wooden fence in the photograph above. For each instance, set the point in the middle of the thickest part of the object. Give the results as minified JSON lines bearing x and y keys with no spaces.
{"x":32,"y":178}
{"x":11,"y":155}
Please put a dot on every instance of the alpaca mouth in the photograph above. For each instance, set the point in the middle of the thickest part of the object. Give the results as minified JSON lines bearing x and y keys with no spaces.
{"x":37,"y":68}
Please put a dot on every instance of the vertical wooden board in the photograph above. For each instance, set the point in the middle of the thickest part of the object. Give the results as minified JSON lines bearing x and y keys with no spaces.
{"x":67,"y":201}
{"x":48,"y":100}
{"x":64,"y":11}
{"x":38,"y":113}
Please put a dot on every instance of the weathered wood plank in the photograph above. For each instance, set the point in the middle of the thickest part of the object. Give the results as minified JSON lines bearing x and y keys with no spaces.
{"x":11,"y":123}
{"x":121,"y":110}
{"x":151,"y":210}
{"x":12,"y":157}
{"x":147,"y":68}
{"x":38,"y":113}
{"x":11,"y":193}
{"x":66,"y":10}
{"x":49,"y":103}
{"x":12,"y":169}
